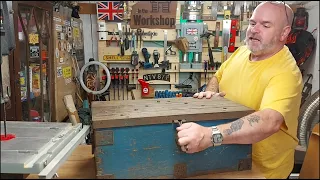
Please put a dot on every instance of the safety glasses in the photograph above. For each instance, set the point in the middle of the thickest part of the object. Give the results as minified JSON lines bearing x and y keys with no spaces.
{"x":284,"y":5}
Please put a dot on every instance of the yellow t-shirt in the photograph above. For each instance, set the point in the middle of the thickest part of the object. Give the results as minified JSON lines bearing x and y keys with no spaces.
{"x":274,"y":83}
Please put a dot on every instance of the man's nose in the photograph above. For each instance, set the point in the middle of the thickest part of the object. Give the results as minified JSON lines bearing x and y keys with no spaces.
{"x":255,"y":29}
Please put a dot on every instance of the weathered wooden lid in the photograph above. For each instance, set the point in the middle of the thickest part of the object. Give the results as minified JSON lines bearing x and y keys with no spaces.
{"x":106,"y":114}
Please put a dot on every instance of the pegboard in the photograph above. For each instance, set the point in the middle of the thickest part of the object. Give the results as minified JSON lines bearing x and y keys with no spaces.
{"x":113,"y":49}
{"x":68,"y":44}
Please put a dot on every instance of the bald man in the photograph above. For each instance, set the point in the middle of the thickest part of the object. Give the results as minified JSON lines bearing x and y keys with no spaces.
{"x":262,"y":75}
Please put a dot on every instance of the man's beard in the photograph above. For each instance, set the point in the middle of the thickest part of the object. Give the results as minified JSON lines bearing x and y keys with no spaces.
{"x":262,"y":48}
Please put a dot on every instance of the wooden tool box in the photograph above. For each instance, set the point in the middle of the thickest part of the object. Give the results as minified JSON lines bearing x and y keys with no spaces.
{"x":137,"y":139}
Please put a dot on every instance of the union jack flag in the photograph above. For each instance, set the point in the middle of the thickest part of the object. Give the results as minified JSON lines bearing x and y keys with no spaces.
{"x":192,"y":31}
{"x":108,"y":11}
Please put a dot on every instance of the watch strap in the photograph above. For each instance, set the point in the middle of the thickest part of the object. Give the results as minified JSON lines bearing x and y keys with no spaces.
{"x":215,"y":131}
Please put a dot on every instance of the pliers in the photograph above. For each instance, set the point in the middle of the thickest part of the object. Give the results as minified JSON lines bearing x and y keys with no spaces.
{"x":113,"y":38}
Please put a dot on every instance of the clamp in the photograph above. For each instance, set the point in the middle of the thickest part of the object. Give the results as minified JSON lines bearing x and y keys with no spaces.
{"x":171,"y":51}
{"x":113,"y":38}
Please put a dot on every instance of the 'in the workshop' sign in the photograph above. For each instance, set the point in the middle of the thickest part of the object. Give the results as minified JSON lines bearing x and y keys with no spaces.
{"x":154,"y":14}
{"x":156,"y":76}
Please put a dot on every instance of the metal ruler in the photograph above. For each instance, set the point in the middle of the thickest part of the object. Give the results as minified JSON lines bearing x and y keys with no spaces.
{"x":165,"y":44}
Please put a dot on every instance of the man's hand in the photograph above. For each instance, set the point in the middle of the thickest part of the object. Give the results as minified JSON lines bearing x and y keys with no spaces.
{"x":193,"y":137}
{"x":208,"y":94}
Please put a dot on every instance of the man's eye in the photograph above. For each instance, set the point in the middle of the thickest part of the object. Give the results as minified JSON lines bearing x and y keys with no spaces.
{"x":266,"y":26}
{"x":252,"y":24}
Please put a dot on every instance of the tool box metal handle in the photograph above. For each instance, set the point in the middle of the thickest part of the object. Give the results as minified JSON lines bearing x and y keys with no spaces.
{"x":180,"y":122}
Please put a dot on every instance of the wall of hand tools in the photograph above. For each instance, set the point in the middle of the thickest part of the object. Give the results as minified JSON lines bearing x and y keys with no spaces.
{"x":151,"y":51}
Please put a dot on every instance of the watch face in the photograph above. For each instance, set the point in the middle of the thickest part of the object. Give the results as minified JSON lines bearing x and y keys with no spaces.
{"x":217,"y":138}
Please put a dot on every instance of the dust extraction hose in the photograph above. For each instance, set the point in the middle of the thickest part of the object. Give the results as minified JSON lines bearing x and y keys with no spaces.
{"x":309,"y":116}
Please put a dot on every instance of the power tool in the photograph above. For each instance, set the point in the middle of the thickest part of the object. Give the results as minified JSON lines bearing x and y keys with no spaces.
{"x":146,"y":55}
{"x":134,"y":58}
{"x":156,"y":57}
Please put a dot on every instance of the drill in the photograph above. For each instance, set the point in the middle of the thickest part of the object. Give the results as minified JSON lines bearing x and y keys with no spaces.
{"x":156,"y":57}
{"x":146,"y":56}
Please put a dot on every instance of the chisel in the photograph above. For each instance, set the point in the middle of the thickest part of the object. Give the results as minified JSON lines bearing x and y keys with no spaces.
{"x":127,"y":81}
{"x":117,"y":80}
{"x":122,"y":83}
{"x":113,"y":83}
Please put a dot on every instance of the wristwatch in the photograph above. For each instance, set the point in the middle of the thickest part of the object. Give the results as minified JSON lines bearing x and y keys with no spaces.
{"x":216,"y":136}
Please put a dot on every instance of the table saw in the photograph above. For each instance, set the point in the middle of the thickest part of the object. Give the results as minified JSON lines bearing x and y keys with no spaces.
{"x":39,"y":147}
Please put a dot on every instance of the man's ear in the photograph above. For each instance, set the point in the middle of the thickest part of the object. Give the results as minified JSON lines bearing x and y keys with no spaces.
{"x":285,"y":32}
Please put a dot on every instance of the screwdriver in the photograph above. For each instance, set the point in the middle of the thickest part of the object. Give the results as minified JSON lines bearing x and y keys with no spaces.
{"x":127,"y":80}
{"x":117,"y":80}
{"x":126,"y":40}
{"x":122,"y":83}
{"x":113,"y":83}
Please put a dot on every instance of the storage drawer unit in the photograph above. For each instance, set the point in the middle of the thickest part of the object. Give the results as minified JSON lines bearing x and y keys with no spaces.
{"x":137,"y":139}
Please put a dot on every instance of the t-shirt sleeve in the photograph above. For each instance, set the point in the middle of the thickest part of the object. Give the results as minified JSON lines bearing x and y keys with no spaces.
{"x":219,"y":72}
{"x":223,"y":66}
{"x":283,"y":94}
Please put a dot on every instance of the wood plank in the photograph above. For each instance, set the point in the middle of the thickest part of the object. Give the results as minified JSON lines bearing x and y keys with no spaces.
{"x":158,"y":111}
{"x":88,"y":8}
{"x":132,"y":112}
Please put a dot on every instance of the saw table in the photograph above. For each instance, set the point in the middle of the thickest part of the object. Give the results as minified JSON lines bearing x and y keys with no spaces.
{"x":39,"y":147}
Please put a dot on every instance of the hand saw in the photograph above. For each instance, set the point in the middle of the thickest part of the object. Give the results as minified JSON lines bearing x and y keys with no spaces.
{"x":225,"y":38}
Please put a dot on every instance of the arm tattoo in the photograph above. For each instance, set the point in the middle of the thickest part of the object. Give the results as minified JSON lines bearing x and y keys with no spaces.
{"x":253,"y":118}
{"x":235,"y":126}
{"x":213,"y":85}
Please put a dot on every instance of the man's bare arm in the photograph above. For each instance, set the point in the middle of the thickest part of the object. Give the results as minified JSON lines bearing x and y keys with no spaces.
{"x":213,"y":85}
{"x":252,"y":128}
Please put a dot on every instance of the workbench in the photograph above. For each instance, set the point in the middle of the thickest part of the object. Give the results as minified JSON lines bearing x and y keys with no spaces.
{"x":81,"y":165}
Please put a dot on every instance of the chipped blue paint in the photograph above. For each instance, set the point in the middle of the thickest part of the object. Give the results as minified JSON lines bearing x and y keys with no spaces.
{"x":151,"y":151}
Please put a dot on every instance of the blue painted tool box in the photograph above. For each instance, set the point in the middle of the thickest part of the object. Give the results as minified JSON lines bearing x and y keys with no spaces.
{"x":137,"y":139}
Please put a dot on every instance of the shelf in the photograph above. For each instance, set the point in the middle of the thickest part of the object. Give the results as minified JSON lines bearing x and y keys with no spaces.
{"x":197,"y":70}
